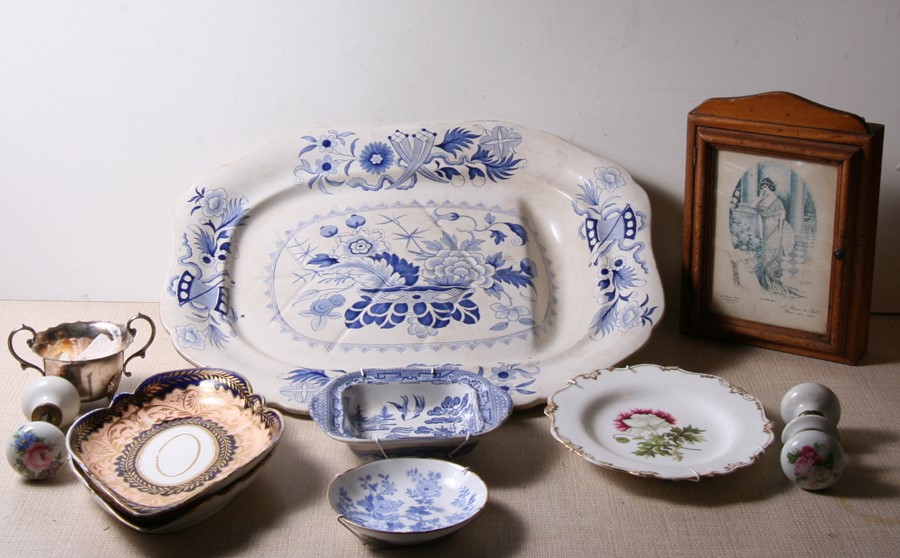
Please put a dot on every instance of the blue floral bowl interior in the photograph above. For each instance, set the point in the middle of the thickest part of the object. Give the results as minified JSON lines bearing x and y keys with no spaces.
{"x":408,"y":499}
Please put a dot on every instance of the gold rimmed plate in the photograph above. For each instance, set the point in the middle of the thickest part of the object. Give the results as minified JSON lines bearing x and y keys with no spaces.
{"x":659,"y":422}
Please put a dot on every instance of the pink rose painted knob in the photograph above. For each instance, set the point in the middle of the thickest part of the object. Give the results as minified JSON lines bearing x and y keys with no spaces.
{"x":813,"y":459}
{"x":36,"y":450}
{"x":51,"y":399}
{"x":810,"y":399}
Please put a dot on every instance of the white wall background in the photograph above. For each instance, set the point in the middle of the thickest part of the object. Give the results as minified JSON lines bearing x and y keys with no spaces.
{"x":110,"y":110}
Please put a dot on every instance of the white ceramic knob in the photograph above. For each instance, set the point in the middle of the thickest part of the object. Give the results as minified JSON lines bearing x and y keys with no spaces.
{"x":810,"y":398}
{"x":809,"y":422}
{"x":813,"y":459}
{"x":36,"y":450}
{"x":51,"y":399}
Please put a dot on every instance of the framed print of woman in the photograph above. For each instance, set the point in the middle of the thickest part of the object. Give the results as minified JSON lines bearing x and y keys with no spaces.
{"x":776,"y":237}
{"x":780,"y":205}
{"x":769,"y":264}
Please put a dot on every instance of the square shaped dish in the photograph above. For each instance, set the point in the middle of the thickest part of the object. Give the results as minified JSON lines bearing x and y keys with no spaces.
{"x":410,"y":412}
{"x":502,"y":250}
{"x":181,"y":436}
{"x":188,"y":515}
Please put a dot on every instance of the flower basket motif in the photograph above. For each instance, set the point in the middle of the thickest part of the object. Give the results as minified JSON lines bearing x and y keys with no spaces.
{"x":429,"y":307}
{"x":425,"y":283}
{"x":444,"y":245}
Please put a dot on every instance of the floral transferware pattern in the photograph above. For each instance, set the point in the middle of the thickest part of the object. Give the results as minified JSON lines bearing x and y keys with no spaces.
{"x":369,"y":267}
{"x":656,"y":434}
{"x":516,"y":378}
{"x":215,"y":408}
{"x":611,"y":230}
{"x":374,"y":244}
{"x":422,"y":501}
{"x":464,"y":154}
{"x":204,"y":283}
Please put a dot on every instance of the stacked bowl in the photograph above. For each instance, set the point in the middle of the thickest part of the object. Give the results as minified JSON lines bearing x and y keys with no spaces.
{"x":176,"y":450}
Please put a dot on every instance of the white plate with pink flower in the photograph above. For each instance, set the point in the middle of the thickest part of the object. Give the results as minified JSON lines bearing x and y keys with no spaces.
{"x":482,"y":246}
{"x":660,"y":422}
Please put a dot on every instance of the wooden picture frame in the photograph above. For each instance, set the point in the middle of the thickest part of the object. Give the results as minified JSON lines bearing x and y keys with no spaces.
{"x":780,"y":205}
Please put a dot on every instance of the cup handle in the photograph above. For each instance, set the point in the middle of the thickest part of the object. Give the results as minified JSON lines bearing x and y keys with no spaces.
{"x":9,"y":343}
{"x":143,"y":351}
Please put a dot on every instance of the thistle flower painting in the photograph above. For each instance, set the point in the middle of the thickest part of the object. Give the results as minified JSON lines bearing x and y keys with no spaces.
{"x":656,"y":434}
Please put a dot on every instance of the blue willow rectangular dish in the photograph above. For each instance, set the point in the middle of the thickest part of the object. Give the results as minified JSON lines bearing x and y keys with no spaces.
{"x":410,"y":412}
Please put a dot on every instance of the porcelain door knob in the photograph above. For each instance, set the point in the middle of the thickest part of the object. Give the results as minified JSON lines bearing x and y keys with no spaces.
{"x":810,"y":398}
{"x":36,"y":450}
{"x":809,"y":422}
{"x":813,"y":459}
{"x":51,"y":399}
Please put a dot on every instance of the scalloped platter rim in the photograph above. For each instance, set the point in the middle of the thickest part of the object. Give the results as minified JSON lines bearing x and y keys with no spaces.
{"x":482,"y":245}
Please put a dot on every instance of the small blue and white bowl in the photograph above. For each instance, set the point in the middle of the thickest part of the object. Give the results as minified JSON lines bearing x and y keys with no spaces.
{"x":408,"y":500}
{"x":410,"y":412}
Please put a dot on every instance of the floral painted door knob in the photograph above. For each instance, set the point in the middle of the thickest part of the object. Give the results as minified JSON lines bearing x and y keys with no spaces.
{"x":36,"y":450}
{"x":813,"y":459}
{"x":812,"y":455}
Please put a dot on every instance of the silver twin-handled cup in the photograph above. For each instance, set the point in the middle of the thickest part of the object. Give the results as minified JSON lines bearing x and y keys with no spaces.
{"x":91,"y":355}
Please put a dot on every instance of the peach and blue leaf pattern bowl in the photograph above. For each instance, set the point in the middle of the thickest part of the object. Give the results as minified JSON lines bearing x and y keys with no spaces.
{"x":180,"y":437}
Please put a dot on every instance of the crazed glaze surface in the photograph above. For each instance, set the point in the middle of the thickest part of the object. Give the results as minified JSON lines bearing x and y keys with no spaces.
{"x":484,"y":246}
